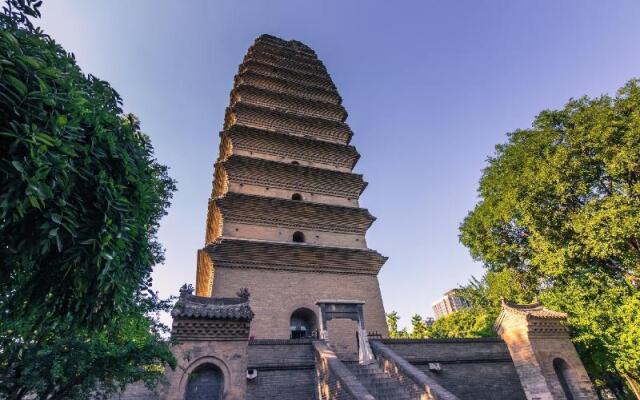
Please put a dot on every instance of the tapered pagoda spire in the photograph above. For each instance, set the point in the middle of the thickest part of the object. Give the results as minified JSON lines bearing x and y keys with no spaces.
{"x":284,"y":218}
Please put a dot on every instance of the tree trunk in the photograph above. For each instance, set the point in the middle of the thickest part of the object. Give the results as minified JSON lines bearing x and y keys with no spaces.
{"x":634,"y":385}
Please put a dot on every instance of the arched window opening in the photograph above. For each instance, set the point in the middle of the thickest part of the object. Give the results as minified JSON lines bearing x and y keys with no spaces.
{"x":205,"y":383}
{"x":295,"y":163}
{"x":298,"y":237}
{"x":563,"y":373}
{"x":296,"y":196}
{"x":303,"y":324}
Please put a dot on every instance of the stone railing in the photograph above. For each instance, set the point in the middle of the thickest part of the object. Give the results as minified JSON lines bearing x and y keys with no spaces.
{"x":334,"y":379}
{"x":408,"y":375}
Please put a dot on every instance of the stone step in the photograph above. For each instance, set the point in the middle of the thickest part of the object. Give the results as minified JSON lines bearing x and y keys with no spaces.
{"x":380,"y":384}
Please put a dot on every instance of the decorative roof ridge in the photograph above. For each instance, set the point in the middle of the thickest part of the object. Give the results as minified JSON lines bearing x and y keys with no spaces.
{"x":289,"y":165}
{"x":532,"y":310}
{"x":218,"y":308}
{"x":293,"y":97}
{"x":324,"y":83}
{"x":300,"y":84}
{"x":288,"y":114}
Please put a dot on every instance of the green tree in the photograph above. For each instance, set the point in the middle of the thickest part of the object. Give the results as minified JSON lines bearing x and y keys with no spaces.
{"x":81,"y":196}
{"x":392,"y":323}
{"x":485,"y":297}
{"x":418,"y":327}
{"x":463,"y":324}
{"x":560,"y":207}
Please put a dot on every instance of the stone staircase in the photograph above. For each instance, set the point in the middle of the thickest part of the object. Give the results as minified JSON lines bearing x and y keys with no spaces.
{"x":381,"y":385}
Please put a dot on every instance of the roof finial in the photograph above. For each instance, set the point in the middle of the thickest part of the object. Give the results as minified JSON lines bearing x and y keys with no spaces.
{"x":243,"y":293}
{"x":186,"y":289}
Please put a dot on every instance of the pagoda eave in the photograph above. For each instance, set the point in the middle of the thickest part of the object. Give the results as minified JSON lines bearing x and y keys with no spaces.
{"x":285,"y":145}
{"x":274,"y":83}
{"x":257,"y":254}
{"x":247,"y":170}
{"x":269,"y":211}
{"x":272,"y":119}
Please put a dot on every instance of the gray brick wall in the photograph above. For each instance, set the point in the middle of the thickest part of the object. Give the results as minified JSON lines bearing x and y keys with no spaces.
{"x":470,"y":368}
{"x":286,"y":370}
{"x":284,"y":384}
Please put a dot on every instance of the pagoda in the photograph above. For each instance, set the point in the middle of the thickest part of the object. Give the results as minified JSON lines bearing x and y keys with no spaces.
{"x":287,"y":303}
{"x":284,"y":219}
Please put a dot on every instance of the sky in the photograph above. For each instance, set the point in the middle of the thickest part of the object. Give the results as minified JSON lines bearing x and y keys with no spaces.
{"x":430,"y":86}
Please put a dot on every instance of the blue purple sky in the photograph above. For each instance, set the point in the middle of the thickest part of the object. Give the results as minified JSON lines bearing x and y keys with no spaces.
{"x":430,"y":88}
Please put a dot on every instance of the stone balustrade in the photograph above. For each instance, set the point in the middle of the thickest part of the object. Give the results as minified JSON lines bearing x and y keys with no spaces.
{"x":335,"y":381}
{"x":410,"y":376}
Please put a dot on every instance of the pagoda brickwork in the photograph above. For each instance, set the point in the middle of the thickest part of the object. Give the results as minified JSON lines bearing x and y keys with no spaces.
{"x":284,"y":218}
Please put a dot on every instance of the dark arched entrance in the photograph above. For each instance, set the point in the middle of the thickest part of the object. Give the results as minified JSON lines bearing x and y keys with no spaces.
{"x":303,"y":324}
{"x":562,"y":371}
{"x":205,"y":383}
{"x":298,"y":237}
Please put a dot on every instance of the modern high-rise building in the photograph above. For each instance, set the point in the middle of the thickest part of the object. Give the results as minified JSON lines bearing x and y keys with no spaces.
{"x":448,"y":303}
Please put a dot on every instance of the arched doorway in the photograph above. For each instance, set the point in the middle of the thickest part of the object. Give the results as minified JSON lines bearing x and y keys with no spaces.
{"x":205,"y":383}
{"x":303,"y":324}
{"x":563,"y":373}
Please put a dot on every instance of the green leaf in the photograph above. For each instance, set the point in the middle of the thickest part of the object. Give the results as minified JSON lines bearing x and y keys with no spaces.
{"x":18,"y":165}
{"x":59,"y":243}
{"x":61,"y":120}
{"x":10,"y":38}
{"x":31,"y":61}
{"x":44,"y":138}
{"x":34,"y":201}
{"x":35,"y":189}
{"x":17,"y":84}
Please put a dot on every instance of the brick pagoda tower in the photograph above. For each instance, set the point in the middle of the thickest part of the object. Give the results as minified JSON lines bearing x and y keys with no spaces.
{"x":284,"y":219}
{"x":287,"y":290}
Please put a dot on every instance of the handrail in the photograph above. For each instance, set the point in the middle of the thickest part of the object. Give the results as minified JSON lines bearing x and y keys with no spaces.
{"x":326,"y":358}
{"x":397,"y":366}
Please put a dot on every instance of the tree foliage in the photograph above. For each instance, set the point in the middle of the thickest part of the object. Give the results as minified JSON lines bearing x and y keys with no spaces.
{"x":463,"y":324}
{"x":392,"y":322}
{"x":418,"y":327}
{"x":81,"y":196}
{"x":484,"y":296}
{"x":560,"y":209}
